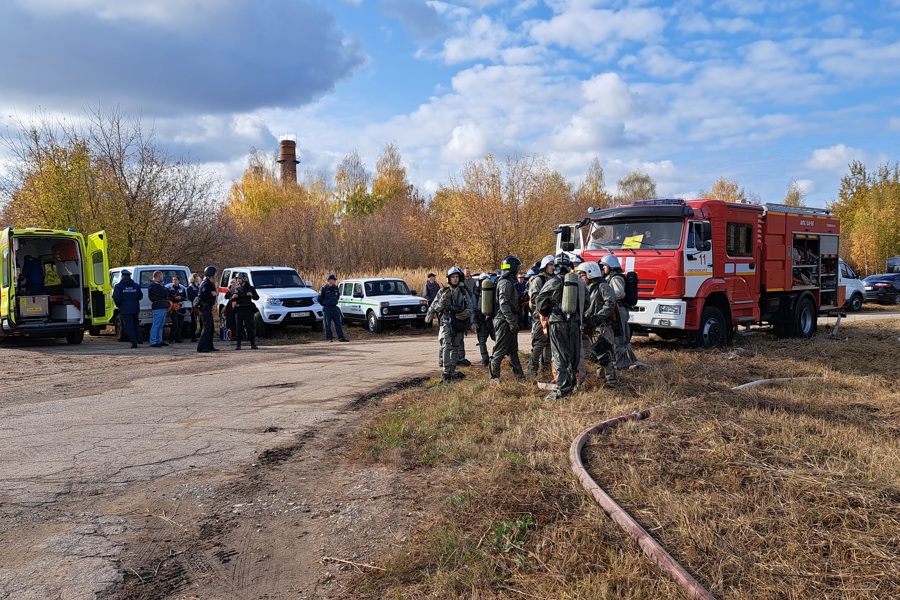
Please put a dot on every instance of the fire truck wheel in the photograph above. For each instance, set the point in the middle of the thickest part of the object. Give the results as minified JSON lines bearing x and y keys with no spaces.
{"x":713,"y":332}
{"x":805,"y":322}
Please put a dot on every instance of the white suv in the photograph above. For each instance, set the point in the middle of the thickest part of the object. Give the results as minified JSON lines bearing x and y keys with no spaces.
{"x":284,"y":298}
{"x":143,"y":275}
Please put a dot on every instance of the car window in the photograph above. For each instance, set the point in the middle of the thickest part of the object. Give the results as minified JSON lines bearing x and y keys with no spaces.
{"x":168,"y":274}
{"x":357,"y":289}
{"x":282,"y":278}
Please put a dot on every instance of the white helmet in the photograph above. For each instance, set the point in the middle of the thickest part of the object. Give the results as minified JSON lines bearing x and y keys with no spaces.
{"x":455,"y":271}
{"x":591,"y":269}
{"x":611,"y":261}
{"x":547,"y":260}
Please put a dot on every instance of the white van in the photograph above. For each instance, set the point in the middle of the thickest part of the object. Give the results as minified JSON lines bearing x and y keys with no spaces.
{"x":143,"y":275}
{"x":855,"y":289}
{"x":284,"y":297}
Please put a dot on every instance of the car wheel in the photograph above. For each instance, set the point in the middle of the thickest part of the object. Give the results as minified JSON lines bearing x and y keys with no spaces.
{"x":855,"y":303}
{"x":259,"y":325}
{"x":75,"y":337}
{"x":897,"y":297}
{"x":95,"y":331}
{"x":373,"y":323}
{"x":713,"y":332}
{"x":121,"y":334}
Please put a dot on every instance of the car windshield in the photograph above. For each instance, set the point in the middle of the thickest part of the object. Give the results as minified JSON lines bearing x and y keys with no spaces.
{"x":635,"y":234}
{"x":147,"y":276}
{"x":387,"y":287}
{"x":286,"y":278}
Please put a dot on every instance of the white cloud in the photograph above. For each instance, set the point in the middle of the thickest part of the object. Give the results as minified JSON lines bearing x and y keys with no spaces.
{"x":584,"y":28}
{"x":467,"y":141}
{"x":834,"y":158}
{"x":484,"y":39}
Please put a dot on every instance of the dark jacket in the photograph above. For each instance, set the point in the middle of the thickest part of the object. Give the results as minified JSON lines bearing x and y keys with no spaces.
{"x":207,"y":294}
{"x":127,"y":295}
{"x":243,"y":302}
{"x":158,"y":295}
{"x":192,"y":291}
{"x":329,"y":295}
{"x":431,"y":291}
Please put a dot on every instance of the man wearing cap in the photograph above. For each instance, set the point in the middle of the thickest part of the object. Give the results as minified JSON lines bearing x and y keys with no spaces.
{"x":432,"y":287}
{"x":127,"y":295}
{"x":328,"y":298}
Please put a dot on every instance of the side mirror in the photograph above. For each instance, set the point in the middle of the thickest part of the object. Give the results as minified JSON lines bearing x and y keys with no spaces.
{"x":565,"y":234}
{"x":413,"y":293}
{"x":309,"y":283}
{"x":568,"y":246}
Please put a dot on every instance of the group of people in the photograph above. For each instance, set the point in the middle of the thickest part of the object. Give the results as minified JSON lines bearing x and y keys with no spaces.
{"x":173,"y":298}
{"x":576,"y":311}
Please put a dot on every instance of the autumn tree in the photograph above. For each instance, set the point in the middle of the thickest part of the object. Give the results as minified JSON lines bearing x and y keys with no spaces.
{"x":108,"y":173}
{"x":592,"y":191}
{"x":869,"y":208}
{"x":795,"y":195}
{"x":635,"y":186}
{"x":728,"y":190}
{"x":351,"y":186}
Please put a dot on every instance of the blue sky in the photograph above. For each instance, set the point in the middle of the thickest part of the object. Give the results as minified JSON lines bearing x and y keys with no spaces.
{"x":761,"y":92}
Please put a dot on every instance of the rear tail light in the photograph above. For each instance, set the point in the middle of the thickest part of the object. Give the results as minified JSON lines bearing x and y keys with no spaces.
{"x":882,"y":284}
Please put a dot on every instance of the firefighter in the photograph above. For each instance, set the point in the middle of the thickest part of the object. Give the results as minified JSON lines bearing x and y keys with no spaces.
{"x":615,"y":277}
{"x":561,"y":303}
{"x":598,"y":341}
{"x":484,"y":326}
{"x":506,"y":320}
{"x":453,"y":306}
{"x":540,"y":344}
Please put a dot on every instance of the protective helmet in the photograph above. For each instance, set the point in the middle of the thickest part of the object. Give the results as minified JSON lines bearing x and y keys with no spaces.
{"x":547,"y":260}
{"x":455,"y":271}
{"x":510,"y":264}
{"x":209,"y":271}
{"x":611,"y":261}
{"x":591,"y":269}
{"x":563,"y":264}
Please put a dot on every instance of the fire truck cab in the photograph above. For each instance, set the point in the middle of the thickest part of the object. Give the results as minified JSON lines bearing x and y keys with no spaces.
{"x":705,"y":266}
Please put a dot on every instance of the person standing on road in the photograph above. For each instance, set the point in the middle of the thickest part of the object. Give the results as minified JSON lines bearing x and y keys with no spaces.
{"x":127,"y":296}
{"x":329,"y":296}
{"x":432,"y":287}
{"x":241,"y":298}
{"x":206,"y":299}
{"x":159,"y":302}
{"x":540,"y":358}
{"x":193,"y":289}
{"x":453,"y":306}
{"x":506,"y":320}
{"x":563,"y":313}
{"x":597,"y":336}
{"x":177,"y":294}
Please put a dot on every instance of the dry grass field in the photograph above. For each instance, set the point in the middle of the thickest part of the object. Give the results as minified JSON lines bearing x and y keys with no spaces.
{"x":787,"y":490}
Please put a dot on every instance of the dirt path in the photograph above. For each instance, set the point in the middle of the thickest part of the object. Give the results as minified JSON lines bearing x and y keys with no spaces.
{"x":163,"y":473}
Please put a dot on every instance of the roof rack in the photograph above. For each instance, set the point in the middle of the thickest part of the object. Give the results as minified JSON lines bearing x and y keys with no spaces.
{"x":784,"y":208}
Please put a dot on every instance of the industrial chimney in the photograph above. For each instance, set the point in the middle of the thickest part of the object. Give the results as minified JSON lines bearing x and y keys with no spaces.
{"x":288,"y":161}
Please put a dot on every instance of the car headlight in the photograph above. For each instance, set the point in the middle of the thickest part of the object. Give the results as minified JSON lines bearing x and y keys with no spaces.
{"x":668,"y":309}
{"x":273,"y":301}
{"x":385,"y":310}
{"x":423,"y":308}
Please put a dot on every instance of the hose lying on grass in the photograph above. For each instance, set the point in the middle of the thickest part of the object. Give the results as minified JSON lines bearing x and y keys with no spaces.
{"x":648,"y":544}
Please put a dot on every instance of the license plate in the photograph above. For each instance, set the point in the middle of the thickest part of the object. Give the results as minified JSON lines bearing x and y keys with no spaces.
{"x":868,"y":288}
{"x":303,"y":313}
{"x":407,"y":316}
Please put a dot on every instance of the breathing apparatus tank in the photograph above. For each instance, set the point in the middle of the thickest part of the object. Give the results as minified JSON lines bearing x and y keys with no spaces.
{"x":487,"y":296}
{"x":572,"y":296}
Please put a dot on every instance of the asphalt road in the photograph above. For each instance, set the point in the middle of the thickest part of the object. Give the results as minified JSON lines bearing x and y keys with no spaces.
{"x":90,"y":420}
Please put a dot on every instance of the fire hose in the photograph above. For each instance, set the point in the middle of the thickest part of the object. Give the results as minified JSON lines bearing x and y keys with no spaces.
{"x":648,"y":544}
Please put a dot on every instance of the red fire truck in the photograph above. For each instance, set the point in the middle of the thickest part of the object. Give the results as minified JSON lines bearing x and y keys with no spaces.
{"x":705,"y":266}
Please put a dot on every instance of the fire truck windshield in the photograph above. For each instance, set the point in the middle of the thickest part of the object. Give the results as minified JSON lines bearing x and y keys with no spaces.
{"x":635,"y":234}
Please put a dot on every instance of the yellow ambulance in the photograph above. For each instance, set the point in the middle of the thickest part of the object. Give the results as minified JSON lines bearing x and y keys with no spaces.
{"x":55,"y":283}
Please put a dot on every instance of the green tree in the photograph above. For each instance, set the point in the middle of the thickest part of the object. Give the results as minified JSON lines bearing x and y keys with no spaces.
{"x":635,"y":186}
